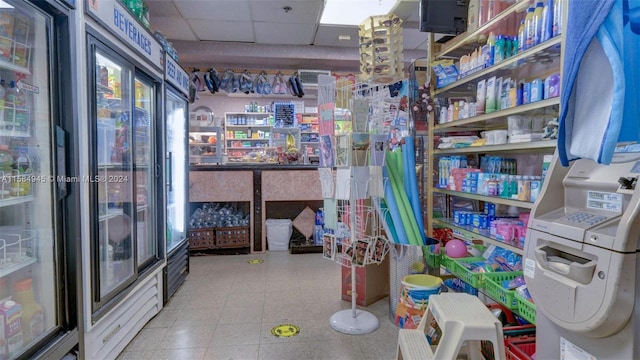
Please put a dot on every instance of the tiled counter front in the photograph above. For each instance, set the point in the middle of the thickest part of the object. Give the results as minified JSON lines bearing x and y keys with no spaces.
{"x":256,"y":185}
{"x":223,"y":186}
{"x":289,"y":185}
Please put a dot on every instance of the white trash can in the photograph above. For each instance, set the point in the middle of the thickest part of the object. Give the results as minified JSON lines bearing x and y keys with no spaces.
{"x":278,"y":234}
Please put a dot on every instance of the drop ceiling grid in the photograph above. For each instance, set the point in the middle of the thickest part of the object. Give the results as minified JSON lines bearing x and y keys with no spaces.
{"x":176,"y":27}
{"x":222,"y":30}
{"x":302,"y":12}
{"x":287,"y":34}
{"x":235,"y":10}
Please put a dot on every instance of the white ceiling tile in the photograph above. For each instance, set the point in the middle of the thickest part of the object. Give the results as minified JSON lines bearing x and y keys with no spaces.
{"x":303,"y":12}
{"x":173,"y":28}
{"x":413,"y":38}
{"x":222,"y":30}
{"x":327,"y":35}
{"x":162,"y":8}
{"x":288,"y":34}
{"x":236,"y":10}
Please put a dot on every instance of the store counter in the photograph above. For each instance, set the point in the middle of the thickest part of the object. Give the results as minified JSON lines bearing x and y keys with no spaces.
{"x":271,"y":191}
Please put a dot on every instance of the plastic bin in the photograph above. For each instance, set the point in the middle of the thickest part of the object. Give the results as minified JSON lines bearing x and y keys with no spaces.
{"x":278,"y":234}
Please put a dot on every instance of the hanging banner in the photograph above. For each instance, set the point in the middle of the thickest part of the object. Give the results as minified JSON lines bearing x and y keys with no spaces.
{"x":119,"y":21}
{"x":176,"y":76}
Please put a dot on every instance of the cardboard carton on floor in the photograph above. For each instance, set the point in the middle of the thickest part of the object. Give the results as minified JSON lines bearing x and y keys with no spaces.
{"x":372,"y":283}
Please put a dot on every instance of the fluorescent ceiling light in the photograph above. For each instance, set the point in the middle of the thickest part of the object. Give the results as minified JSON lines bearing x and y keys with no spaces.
{"x":4,"y":5}
{"x":353,"y":12}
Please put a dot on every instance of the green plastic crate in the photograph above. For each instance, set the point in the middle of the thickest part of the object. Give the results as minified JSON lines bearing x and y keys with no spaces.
{"x":526,"y":309}
{"x":433,"y":260}
{"x":472,"y":278}
{"x":493,"y":286}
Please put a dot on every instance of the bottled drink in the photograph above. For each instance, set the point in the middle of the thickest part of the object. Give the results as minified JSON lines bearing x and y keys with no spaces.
{"x":32,"y":313}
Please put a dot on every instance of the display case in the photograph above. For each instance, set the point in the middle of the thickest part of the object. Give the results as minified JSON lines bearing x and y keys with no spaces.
{"x":282,"y":137}
{"x":205,"y":144}
{"x":247,"y":136}
{"x":309,"y":133}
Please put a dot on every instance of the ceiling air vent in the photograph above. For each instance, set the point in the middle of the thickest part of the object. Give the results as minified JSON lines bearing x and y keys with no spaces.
{"x":309,"y":78}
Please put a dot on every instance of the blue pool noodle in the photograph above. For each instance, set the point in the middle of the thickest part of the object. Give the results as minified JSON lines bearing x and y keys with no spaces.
{"x":411,"y":184}
{"x":394,"y":162}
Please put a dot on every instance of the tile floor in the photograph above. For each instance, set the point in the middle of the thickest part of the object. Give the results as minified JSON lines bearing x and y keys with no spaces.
{"x":227,"y":308}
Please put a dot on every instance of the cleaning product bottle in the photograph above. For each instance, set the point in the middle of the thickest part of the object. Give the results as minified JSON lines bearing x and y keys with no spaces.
{"x":472,"y":16}
{"x":491,"y":43}
{"x":557,"y":18}
{"x":521,"y":38}
{"x":32,"y":313}
{"x":499,"y":48}
{"x":537,"y":23}
{"x":482,"y":12}
{"x":529,"y":29}
{"x":547,"y":21}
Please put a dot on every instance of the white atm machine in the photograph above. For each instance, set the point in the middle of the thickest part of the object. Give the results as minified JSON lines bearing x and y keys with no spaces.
{"x":581,"y":260}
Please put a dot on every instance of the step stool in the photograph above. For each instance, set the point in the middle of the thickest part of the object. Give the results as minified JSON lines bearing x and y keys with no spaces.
{"x":462,"y":318}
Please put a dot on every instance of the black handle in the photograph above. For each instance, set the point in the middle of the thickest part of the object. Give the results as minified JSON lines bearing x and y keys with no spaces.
{"x":170,"y":171}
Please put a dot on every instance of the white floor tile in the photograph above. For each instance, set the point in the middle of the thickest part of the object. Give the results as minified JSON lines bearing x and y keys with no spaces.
{"x":233,"y":352}
{"x":227,"y":308}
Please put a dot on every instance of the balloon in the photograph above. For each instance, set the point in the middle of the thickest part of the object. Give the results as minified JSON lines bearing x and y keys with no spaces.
{"x":455,"y":248}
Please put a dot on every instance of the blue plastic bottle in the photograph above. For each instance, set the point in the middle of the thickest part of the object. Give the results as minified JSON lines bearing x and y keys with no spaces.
{"x":547,"y":21}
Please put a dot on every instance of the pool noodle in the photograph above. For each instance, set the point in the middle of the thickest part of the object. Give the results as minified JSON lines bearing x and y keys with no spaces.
{"x":403,"y":204}
{"x":411,"y":184}
{"x":390,"y":200}
{"x":394,"y":159}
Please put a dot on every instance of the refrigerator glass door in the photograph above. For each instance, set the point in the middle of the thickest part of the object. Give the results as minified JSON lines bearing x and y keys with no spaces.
{"x":28,"y":244}
{"x":176,"y":157}
{"x":147,"y":245}
{"x":114,"y":175}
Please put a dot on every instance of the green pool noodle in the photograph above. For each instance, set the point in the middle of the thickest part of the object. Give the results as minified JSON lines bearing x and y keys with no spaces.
{"x":411,"y":227}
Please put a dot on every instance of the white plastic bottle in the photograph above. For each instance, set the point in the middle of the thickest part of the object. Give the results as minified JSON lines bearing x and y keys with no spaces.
{"x":521,"y":38}
{"x":529,"y":29}
{"x":537,"y":23}
{"x":557,"y":18}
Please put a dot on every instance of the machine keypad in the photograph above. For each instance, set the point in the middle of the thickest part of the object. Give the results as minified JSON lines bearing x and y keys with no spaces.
{"x":585,"y":218}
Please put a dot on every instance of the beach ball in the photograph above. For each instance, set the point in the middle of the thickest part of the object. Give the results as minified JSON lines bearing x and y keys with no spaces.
{"x":455,"y":248}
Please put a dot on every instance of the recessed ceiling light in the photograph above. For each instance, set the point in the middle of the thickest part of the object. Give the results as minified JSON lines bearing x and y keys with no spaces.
{"x":353,"y":12}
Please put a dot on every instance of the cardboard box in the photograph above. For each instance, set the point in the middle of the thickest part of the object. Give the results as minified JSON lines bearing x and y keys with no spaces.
{"x":372,"y":283}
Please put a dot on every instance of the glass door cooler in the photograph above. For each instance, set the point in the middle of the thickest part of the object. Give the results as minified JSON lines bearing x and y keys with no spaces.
{"x":38,"y":309}
{"x":176,"y":176}
{"x":126,"y":255}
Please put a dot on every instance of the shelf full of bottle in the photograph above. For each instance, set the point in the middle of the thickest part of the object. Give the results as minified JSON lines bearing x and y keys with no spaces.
{"x":15,"y":112}
{"x":511,"y":180}
{"x":516,"y":53}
